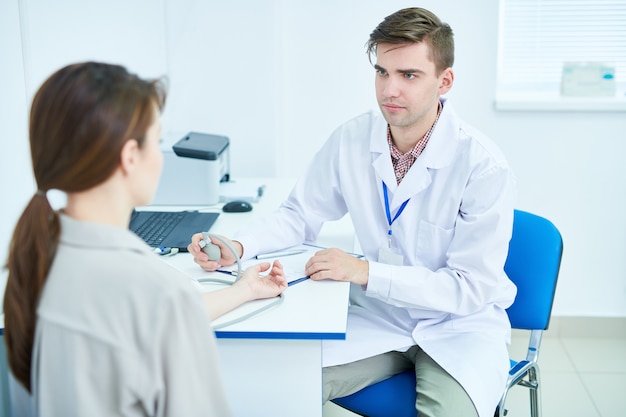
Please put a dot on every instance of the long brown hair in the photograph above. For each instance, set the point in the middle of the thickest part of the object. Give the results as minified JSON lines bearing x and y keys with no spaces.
{"x":79,"y":121}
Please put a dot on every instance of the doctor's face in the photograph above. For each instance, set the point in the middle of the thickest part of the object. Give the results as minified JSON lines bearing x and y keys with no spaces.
{"x":407,"y":85}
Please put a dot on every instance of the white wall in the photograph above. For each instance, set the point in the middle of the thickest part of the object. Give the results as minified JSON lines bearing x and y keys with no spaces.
{"x":278,"y":76}
{"x":16,"y":183}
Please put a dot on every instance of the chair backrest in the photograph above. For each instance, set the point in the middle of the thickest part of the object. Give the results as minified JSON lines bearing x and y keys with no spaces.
{"x":533,"y":265}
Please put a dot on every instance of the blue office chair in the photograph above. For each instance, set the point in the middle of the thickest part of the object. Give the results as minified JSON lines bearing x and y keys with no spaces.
{"x":533,"y":265}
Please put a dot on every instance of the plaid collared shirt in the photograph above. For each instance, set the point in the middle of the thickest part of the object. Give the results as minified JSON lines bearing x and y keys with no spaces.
{"x":403,"y":162}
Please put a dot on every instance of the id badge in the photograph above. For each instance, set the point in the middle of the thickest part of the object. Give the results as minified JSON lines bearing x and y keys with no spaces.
{"x":389,"y":256}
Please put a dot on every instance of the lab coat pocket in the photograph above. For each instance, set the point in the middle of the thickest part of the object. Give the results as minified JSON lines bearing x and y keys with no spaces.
{"x":432,"y":244}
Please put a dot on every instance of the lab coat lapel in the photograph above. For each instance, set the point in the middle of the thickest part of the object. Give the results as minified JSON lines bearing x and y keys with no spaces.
{"x":416,"y":180}
{"x":381,"y":158}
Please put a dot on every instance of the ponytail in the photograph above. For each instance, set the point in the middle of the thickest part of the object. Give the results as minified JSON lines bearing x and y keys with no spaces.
{"x":31,"y":252}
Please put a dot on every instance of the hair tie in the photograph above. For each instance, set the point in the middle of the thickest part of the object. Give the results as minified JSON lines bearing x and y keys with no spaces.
{"x":41,"y":193}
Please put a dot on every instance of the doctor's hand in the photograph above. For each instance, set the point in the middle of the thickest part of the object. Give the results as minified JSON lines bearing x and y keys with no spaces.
{"x":202,"y":259}
{"x":266,"y":286}
{"x":337,"y":265}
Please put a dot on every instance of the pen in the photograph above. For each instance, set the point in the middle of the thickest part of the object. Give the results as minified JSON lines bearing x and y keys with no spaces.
{"x":295,"y":281}
{"x":280,"y":254}
{"x":226,"y":272}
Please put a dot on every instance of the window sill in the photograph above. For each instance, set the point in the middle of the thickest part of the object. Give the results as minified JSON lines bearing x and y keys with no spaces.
{"x":554,"y":102}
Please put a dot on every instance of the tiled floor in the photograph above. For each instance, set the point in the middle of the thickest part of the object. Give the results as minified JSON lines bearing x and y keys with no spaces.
{"x":581,"y":376}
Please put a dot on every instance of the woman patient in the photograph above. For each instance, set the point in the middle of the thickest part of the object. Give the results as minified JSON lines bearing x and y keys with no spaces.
{"x":95,"y":323}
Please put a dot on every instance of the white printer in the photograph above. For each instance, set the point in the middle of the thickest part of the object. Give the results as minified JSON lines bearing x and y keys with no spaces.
{"x":193,"y":168}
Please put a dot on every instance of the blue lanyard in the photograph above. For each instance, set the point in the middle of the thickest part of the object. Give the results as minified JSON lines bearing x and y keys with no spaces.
{"x":389,"y":219}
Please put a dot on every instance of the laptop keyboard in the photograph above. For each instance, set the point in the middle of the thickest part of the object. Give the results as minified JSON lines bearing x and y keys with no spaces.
{"x":158,"y":226}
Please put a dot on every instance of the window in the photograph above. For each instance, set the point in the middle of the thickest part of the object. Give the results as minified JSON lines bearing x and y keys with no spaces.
{"x":536,"y":38}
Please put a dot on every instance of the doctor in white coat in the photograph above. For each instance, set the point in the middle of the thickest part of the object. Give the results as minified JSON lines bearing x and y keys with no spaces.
{"x":431,"y":200}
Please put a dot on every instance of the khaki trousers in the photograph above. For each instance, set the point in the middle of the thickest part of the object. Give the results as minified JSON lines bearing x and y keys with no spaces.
{"x":438,"y":394}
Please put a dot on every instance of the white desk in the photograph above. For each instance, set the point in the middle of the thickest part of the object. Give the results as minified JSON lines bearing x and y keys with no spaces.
{"x":272,"y":363}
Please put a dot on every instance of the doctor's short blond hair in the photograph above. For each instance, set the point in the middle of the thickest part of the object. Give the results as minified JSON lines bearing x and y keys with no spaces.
{"x":416,"y":25}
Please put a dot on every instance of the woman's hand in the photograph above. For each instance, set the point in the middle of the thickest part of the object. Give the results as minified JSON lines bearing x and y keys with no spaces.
{"x":250,"y":286}
{"x":266,"y":286}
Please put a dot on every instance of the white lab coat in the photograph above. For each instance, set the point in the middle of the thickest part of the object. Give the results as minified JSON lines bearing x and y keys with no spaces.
{"x":450,"y":296}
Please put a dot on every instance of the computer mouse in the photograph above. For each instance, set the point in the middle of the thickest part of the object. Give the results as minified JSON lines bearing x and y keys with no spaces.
{"x":237,"y":206}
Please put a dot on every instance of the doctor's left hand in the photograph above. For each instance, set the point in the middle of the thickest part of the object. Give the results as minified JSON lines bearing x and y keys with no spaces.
{"x":337,"y":265}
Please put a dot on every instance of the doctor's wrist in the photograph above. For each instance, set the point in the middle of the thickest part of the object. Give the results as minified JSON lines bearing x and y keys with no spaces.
{"x":238,"y":248}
